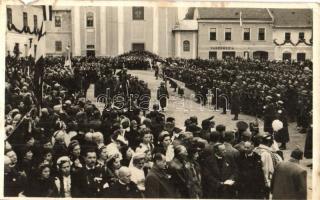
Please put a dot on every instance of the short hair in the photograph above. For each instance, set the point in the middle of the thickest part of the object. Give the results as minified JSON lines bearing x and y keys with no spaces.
{"x":170,"y":119}
{"x":90,"y":150}
{"x":216,"y":146}
{"x":229,"y":136}
{"x":215,"y":136}
{"x":220,"y":128}
{"x":158,"y":157}
{"x":297,"y":154}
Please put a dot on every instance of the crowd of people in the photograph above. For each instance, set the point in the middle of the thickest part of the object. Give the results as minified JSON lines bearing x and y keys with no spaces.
{"x":266,"y":89}
{"x":67,"y":147}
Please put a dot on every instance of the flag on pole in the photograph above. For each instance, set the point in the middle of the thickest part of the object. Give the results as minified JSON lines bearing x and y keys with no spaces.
{"x":47,"y":12}
{"x":240,"y":18}
{"x":40,"y":53}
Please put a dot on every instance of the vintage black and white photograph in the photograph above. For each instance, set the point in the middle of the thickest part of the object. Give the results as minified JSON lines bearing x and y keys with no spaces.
{"x":158,"y":100}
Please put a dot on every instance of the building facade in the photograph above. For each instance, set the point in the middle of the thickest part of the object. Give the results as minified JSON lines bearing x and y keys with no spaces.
{"x":23,"y":24}
{"x":207,"y":33}
{"x":110,"y":31}
{"x":59,"y":32}
{"x":280,"y":34}
{"x":292,"y":34}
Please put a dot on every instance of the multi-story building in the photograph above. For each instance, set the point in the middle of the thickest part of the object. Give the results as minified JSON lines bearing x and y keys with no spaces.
{"x":59,"y":32}
{"x":292,"y":34}
{"x":23,"y":26}
{"x":112,"y":31}
{"x":281,"y":34}
{"x":208,"y":33}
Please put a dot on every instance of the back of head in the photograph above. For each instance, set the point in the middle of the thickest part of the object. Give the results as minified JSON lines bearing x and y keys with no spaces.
{"x":220,"y":128}
{"x":229,"y":136}
{"x":215,"y":136}
{"x":297,"y":154}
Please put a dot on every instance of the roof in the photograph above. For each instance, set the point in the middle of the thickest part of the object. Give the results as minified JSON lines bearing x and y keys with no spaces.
{"x":234,"y":13}
{"x":186,"y":25}
{"x":292,"y":17}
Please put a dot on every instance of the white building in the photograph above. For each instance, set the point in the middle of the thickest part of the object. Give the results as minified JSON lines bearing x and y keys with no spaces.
{"x":22,"y":21}
{"x":292,"y":33}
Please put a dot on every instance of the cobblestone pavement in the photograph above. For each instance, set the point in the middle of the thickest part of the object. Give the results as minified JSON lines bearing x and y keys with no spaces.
{"x":183,"y":108}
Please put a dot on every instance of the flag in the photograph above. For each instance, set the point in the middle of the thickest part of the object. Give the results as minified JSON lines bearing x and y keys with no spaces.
{"x":240,"y":18}
{"x":47,"y":12}
{"x":40,"y":53}
{"x":67,"y":61}
{"x":38,"y":79}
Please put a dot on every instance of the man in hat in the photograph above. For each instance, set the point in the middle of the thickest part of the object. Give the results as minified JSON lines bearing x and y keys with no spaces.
{"x":162,"y":95}
{"x":289,"y":179}
{"x":269,"y":158}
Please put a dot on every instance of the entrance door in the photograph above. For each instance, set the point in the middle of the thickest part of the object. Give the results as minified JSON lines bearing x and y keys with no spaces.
{"x":91,"y":53}
{"x":260,"y":55}
{"x":228,"y":54}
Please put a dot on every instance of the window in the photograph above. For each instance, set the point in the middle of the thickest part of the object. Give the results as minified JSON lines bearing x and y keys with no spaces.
{"x":90,"y":46}
{"x":58,"y":46}
{"x":9,"y":15}
{"x":301,"y":35}
{"x":25,"y":19}
{"x":138,"y":13}
{"x":228,"y":54}
{"x":212,"y":55}
{"x":227,"y":34}
{"x":57,"y":21}
{"x":301,"y":57}
{"x":35,"y":21}
{"x":213,"y":34}
{"x":91,"y":53}
{"x":90,"y":19}
{"x":246,"y":34}
{"x":186,"y":45}
{"x":138,"y":46}
{"x":287,"y":36}
{"x":261,"y":34}
{"x":286,"y":56}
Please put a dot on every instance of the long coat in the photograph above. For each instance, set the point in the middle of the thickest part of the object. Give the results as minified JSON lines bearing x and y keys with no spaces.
{"x":162,"y":95}
{"x":212,"y":176}
{"x":85,"y":185}
{"x":235,"y":103}
{"x":251,"y":178}
{"x":119,"y":190}
{"x":159,"y":185}
{"x":289,"y":181}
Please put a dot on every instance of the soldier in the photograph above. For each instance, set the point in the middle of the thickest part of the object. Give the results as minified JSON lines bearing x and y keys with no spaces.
{"x":235,"y":104}
{"x":90,"y":180}
{"x":269,"y":114}
{"x":162,"y":95}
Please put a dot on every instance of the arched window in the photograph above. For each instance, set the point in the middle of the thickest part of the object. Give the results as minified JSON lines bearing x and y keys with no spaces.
{"x":186,"y":45}
{"x":89,"y":19}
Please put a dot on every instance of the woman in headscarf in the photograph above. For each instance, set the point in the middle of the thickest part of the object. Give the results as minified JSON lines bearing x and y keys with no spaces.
{"x":136,"y":169}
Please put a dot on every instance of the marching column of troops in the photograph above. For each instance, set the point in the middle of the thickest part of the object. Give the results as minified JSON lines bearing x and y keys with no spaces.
{"x":68,"y":148}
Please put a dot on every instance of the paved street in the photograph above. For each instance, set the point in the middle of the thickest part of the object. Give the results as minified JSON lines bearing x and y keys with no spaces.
{"x":182,"y":108}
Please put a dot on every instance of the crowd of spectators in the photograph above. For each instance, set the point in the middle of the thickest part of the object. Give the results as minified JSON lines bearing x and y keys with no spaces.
{"x":67,"y":147}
